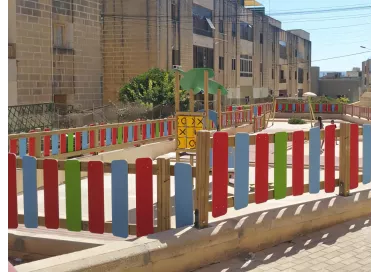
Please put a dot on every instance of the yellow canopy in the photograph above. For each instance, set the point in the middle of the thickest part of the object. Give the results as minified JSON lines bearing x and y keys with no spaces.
{"x":250,"y":3}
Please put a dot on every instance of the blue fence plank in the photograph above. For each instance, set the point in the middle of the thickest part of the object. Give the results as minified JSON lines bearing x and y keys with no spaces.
{"x":280,"y":107}
{"x":333,"y":107}
{"x":166,"y":128}
{"x":294,"y":107}
{"x":366,"y":154}
{"x":255,"y":111}
{"x":314,"y":160}
{"x":320,"y":107}
{"x":54,"y":144}
{"x":183,"y":181}
{"x":306,"y":107}
{"x":22,"y":147}
{"x":84,"y":140}
{"x":148,"y":130}
{"x":130,"y":134}
{"x":210,"y":156}
{"x":108,"y":136}
{"x":231,"y":157}
{"x":29,"y":173}
{"x":119,"y":181}
{"x":241,"y":170}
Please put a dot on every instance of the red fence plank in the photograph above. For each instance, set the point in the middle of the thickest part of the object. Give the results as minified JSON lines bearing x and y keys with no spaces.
{"x":330,"y":159}
{"x":51,"y":203}
{"x":92,"y":137}
{"x":62,"y":144}
{"x":170,"y":127}
{"x":316,"y":107}
{"x":125,"y":134}
{"x":302,"y":107}
{"x":135,"y":136}
{"x":103,"y":137}
{"x":47,"y":143}
{"x":153,"y":130}
{"x":220,"y":174}
{"x":78,"y":141}
{"x":354,"y":156}
{"x":324,"y":107}
{"x":13,"y":146}
{"x":144,"y":197}
{"x":276,"y":107}
{"x":298,"y":163}
{"x":161,"y":128}
{"x":143,"y":131}
{"x":32,"y":145}
{"x":259,"y":110}
{"x":95,"y":197}
{"x":12,"y":192}
{"x":114,"y":135}
{"x":261,"y":168}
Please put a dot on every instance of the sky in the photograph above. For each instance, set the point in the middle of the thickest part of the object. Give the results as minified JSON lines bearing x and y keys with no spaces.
{"x":343,"y":32}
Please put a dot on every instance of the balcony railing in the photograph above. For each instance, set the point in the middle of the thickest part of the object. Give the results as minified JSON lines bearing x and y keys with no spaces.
{"x":283,"y":80}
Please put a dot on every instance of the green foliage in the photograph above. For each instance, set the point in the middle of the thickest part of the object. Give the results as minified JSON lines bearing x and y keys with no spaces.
{"x":343,"y":100}
{"x":296,"y":121}
{"x":152,"y":88}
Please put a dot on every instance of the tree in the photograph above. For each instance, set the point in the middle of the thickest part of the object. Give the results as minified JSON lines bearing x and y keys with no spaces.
{"x":154,"y":87}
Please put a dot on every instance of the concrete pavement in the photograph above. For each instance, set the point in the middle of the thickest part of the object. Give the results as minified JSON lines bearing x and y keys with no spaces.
{"x":343,"y":247}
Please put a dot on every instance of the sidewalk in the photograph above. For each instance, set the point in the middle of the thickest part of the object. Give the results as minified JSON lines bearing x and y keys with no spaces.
{"x":344,"y":247}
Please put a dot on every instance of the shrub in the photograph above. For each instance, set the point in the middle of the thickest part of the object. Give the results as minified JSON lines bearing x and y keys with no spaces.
{"x":296,"y":121}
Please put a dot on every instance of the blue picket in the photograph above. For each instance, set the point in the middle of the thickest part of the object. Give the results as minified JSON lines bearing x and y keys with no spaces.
{"x":183,"y":181}
{"x":22,"y":147}
{"x":108,"y":136}
{"x":148,"y":131}
{"x":314,"y":160}
{"x":29,"y":173}
{"x":294,"y":107}
{"x":306,"y":107}
{"x":84,"y":140}
{"x":241,"y":170}
{"x":119,"y":183}
{"x":366,"y":154}
{"x":54,"y":144}
{"x":166,"y":128}
{"x":130,"y":134}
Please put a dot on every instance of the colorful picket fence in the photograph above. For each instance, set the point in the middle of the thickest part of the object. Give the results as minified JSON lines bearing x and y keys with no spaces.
{"x":184,"y":175}
{"x":81,"y":139}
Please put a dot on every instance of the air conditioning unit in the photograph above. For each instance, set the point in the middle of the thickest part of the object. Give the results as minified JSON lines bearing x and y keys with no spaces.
{"x":179,"y":67}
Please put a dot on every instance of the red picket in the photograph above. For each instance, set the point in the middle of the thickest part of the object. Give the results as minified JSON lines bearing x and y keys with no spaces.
{"x":135,"y":136}
{"x":261,"y":168}
{"x":302,"y":107}
{"x":298,"y":163}
{"x":125,"y":134}
{"x":316,"y":107}
{"x":96,"y":197}
{"x":170,"y":127}
{"x":32,"y":145}
{"x":62,"y":146}
{"x":78,"y":141}
{"x":153,"y":130}
{"x":220,"y":174}
{"x":102,"y":136}
{"x":51,"y":203}
{"x":330,"y":158}
{"x":161,"y":128}
{"x":354,"y":156}
{"x":144,"y":197}
{"x":12,"y":192}
{"x":324,"y":107}
{"x":259,"y":110}
{"x":276,"y":107}
{"x":114,"y":135}
{"x":92,"y":137}
{"x":143,"y":131}
{"x":13,"y":146}
{"x":47,"y":144}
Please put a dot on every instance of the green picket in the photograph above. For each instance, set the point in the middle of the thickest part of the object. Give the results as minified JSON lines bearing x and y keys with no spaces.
{"x":73,"y":195}
{"x":120,"y":135}
{"x":286,"y":107}
{"x":340,"y":110}
{"x":157,"y":129}
{"x":280,"y":158}
{"x":70,"y":142}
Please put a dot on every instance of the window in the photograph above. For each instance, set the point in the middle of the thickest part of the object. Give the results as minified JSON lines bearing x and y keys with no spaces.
{"x":233,"y":29}
{"x":295,"y":74}
{"x":307,"y":75}
{"x":282,"y":77}
{"x":221,"y":26}
{"x":300,"y":75}
{"x":246,"y":32}
{"x":233,"y":64}
{"x":176,"y":57}
{"x":203,"y":57}
{"x":283,"y":54}
{"x":174,"y":13}
{"x":58,"y":32}
{"x":261,"y":38}
{"x":245,"y":66}
{"x":272,"y":73}
{"x":202,"y":24}
{"x":261,"y":67}
{"x":221,"y":63}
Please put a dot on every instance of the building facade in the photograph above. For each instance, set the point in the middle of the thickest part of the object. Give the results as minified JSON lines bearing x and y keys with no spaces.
{"x":82,"y":51}
{"x":366,"y":75}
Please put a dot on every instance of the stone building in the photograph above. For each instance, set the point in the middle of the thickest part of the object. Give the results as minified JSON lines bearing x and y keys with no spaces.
{"x":82,"y":51}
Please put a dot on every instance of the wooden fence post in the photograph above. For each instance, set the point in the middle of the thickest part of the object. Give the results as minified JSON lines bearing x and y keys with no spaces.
{"x":163,"y":194}
{"x":344,"y":159}
{"x":202,"y":178}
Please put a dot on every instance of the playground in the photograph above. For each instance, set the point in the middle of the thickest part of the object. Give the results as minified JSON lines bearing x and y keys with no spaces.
{"x":134,"y":179}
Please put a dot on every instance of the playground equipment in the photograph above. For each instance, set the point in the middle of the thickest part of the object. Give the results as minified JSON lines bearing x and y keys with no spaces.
{"x":188,"y":123}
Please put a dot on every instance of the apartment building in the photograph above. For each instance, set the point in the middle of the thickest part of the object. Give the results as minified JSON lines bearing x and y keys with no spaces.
{"x":366,"y":75}
{"x":57,"y":52}
{"x":82,"y":51}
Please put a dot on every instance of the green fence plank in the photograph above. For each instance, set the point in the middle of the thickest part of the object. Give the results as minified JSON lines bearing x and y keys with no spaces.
{"x":280,"y":158}
{"x":73,"y":195}
{"x":120,"y":135}
{"x":340,"y":108}
{"x":157,"y":129}
{"x":70,"y":142}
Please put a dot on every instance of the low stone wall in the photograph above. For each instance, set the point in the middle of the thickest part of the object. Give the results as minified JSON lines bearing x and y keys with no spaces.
{"x":187,"y":248}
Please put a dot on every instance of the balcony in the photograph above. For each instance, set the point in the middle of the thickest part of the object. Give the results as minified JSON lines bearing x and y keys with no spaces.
{"x":11,"y":51}
{"x":282,"y":80}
